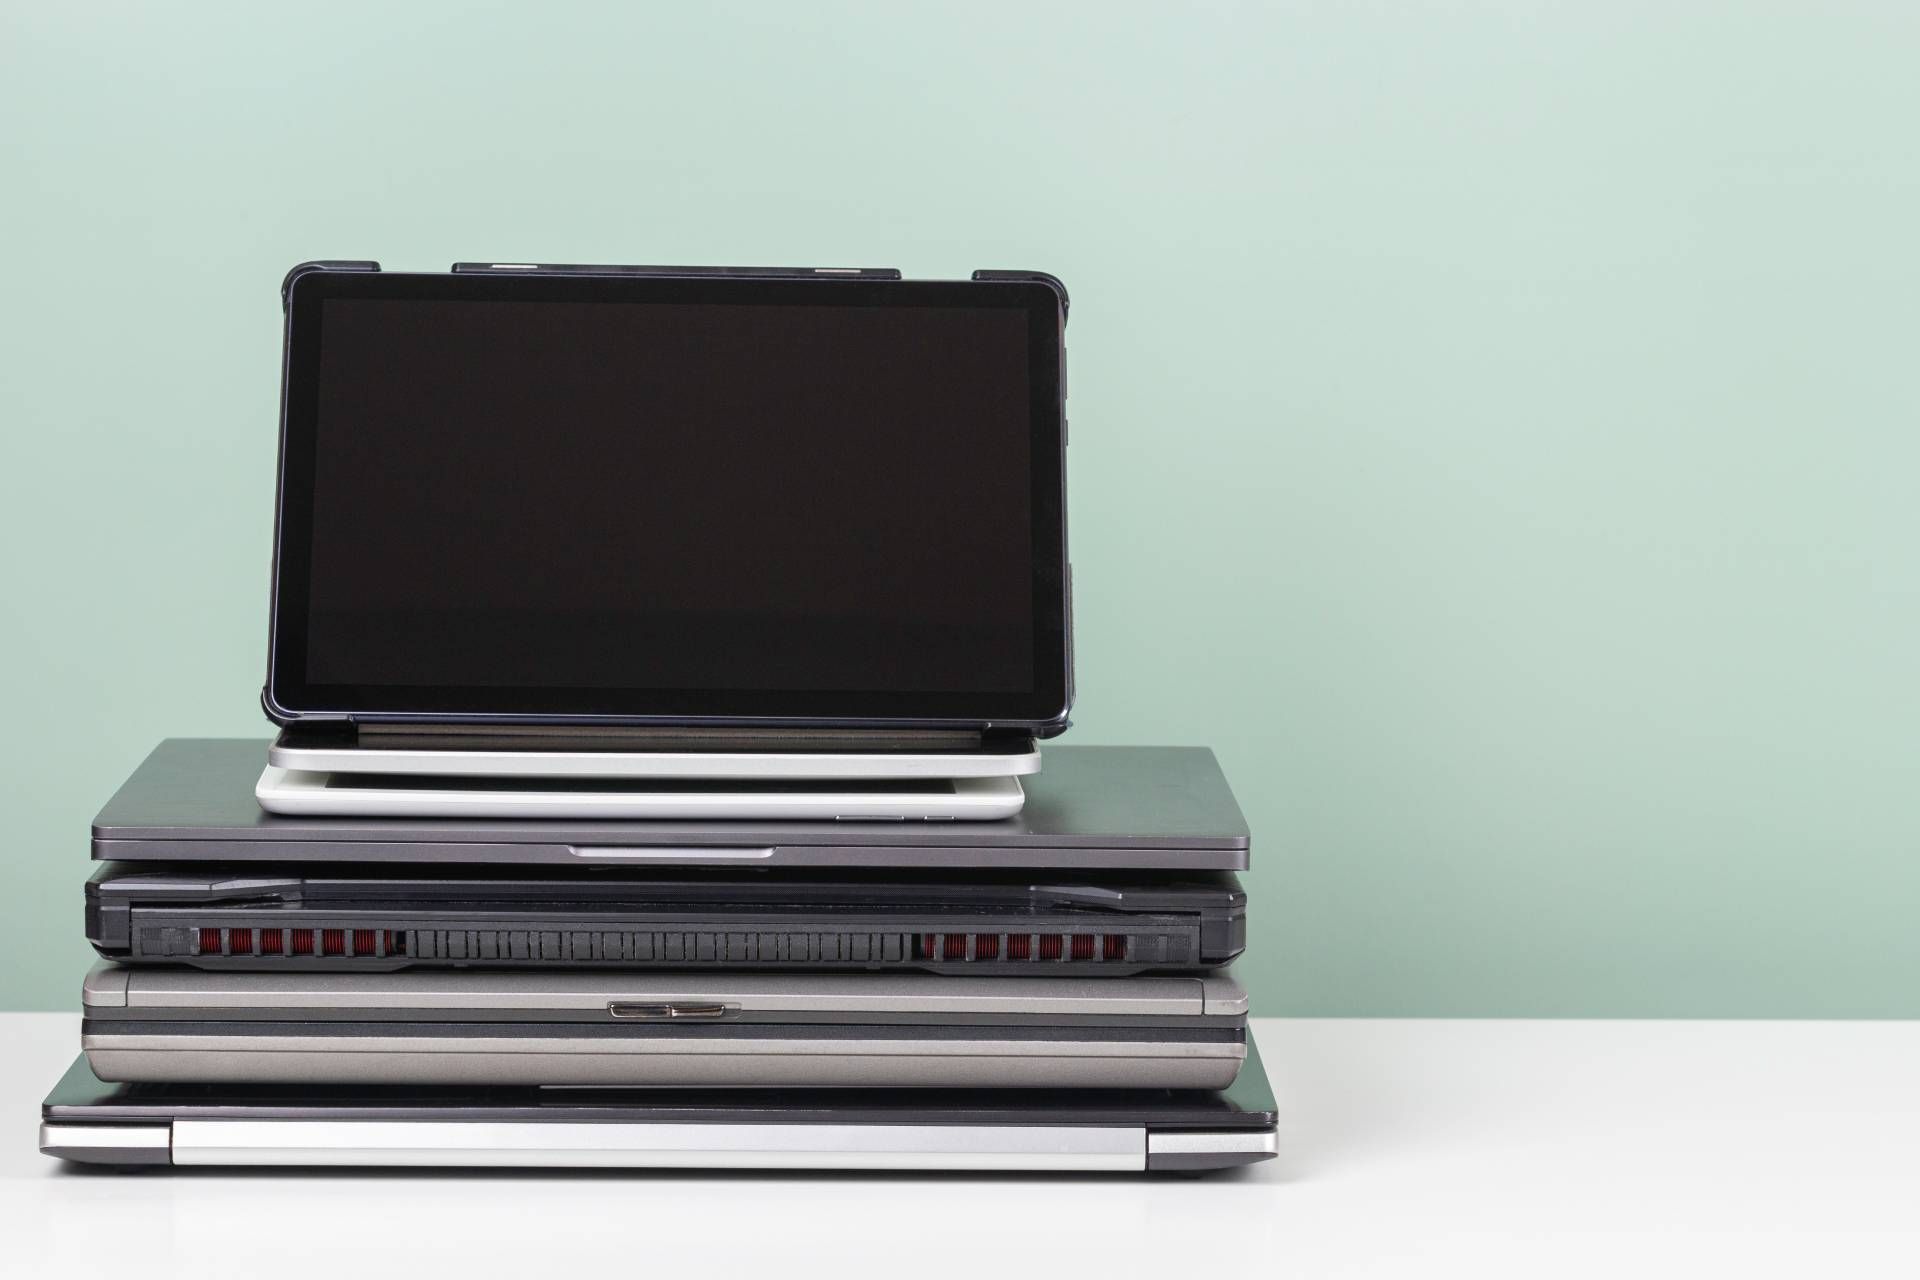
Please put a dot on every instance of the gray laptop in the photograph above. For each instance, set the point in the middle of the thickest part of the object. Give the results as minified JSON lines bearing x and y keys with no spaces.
{"x":196,"y":1125}
{"x":741,"y":1029}
{"x":1166,"y":808}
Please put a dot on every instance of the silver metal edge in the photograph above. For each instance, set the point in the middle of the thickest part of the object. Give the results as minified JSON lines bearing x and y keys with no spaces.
{"x":105,"y":986}
{"x":1222,"y":994}
{"x":1264,"y":1142}
{"x":591,"y":992}
{"x":552,"y":1144}
{"x":107,"y":1143}
{"x":762,"y":1064}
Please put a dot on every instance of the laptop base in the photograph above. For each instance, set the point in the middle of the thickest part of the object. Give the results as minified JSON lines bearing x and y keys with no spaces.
{"x":175,"y":1126}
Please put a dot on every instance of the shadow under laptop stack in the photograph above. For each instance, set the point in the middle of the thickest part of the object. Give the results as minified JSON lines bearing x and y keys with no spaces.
{"x":1048,"y":990}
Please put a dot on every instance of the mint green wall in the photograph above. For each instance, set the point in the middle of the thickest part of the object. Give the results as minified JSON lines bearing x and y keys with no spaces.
{"x":1495,"y":425}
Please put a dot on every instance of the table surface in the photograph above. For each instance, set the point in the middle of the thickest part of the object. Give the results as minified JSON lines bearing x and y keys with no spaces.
{"x":1408,"y":1147}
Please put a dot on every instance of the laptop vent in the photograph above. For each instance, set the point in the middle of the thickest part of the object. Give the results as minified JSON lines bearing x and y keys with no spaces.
{"x":1015,"y":947}
{"x":629,"y":947}
{"x":300,"y":942}
{"x":659,"y":947}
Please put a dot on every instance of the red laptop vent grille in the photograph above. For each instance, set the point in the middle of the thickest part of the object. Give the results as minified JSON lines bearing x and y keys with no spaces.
{"x":214,"y":941}
{"x":428,"y":945}
{"x":973,"y":948}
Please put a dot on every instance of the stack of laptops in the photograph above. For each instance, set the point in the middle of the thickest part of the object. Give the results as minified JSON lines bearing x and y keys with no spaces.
{"x":1047,"y":991}
{"x":661,"y":659}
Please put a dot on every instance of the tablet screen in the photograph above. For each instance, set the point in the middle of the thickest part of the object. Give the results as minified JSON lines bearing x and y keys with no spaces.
{"x":670,"y":498}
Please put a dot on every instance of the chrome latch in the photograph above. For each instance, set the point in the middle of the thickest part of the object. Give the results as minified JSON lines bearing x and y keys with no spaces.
{"x":667,"y":1012}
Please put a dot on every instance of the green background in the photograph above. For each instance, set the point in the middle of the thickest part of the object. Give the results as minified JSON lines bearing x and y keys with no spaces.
{"x":1494,"y":424}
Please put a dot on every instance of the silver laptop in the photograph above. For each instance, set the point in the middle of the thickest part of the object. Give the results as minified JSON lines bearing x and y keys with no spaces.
{"x":735,"y":1029}
{"x":1158,"y":1130}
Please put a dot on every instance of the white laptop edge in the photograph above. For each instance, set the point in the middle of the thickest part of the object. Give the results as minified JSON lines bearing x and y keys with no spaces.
{"x":307,"y":794}
{"x":655,"y":764}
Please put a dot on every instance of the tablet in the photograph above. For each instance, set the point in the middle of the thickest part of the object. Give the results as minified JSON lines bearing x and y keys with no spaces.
{"x":671,"y":497}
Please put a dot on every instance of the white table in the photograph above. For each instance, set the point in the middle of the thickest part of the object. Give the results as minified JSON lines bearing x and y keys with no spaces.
{"x":1414,"y":1148}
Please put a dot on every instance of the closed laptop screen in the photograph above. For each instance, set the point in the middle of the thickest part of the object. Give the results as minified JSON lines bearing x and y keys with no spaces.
{"x":619,"y":495}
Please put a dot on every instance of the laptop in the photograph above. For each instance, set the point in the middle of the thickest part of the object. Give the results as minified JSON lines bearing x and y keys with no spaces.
{"x":1107,"y":808}
{"x":144,"y":1025}
{"x":347,"y":918}
{"x":88,"y":1121}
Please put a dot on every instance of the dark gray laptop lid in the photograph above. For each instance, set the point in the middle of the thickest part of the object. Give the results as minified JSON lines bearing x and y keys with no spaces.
{"x":81,"y":1097}
{"x":1090,"y":806}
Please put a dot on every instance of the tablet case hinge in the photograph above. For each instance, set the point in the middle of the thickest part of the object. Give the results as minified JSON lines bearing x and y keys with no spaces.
{"x":535,"y":737}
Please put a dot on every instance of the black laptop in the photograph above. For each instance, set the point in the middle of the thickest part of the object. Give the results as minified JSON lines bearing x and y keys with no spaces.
{"x":1067,"y":1130}
{"x":346,"y":918}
